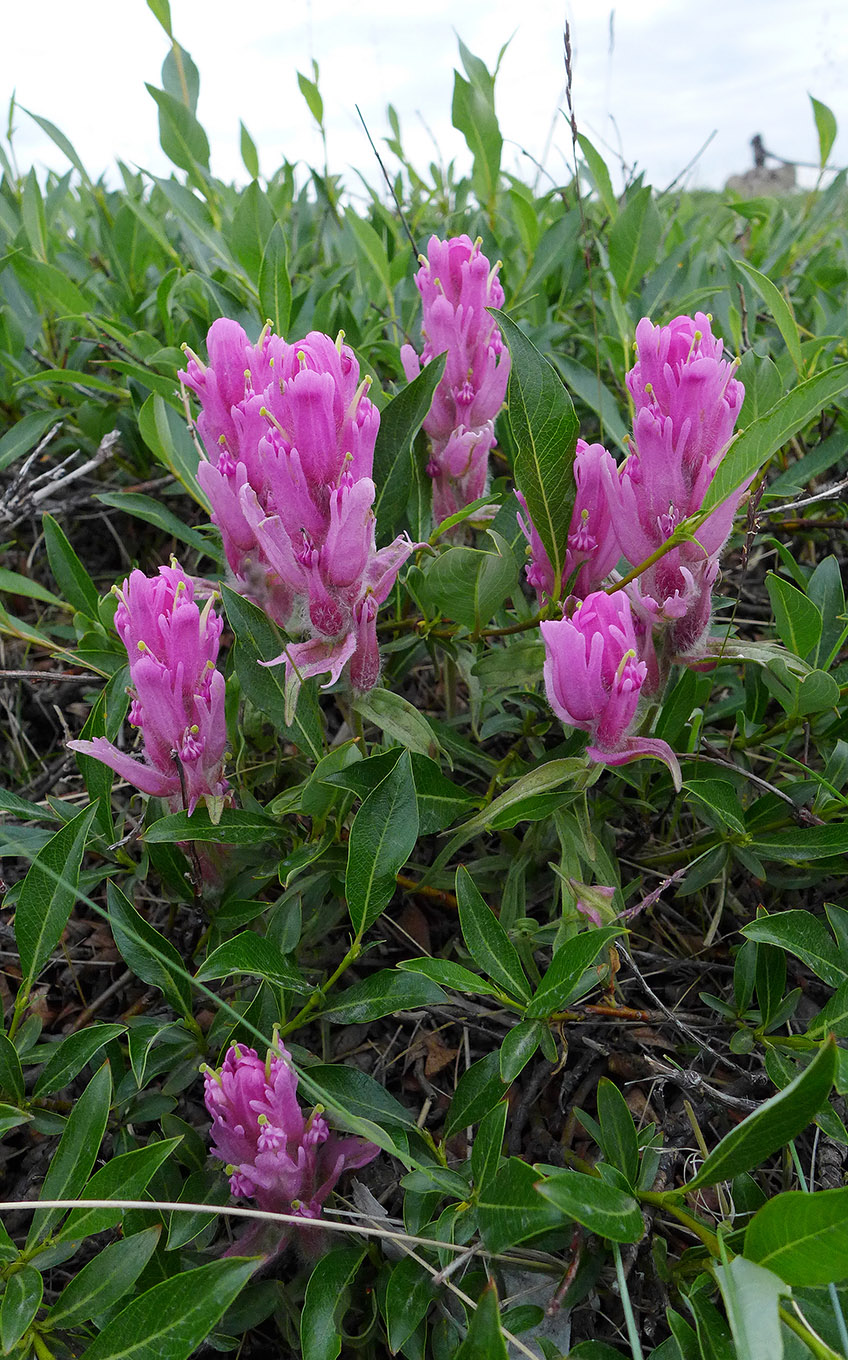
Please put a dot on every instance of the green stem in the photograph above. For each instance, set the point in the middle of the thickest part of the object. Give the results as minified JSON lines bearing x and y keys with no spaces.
{"x":318,"y":996}
{"x":814,"y":1343}
{"x":708,"y":1238}
{"x":624,"y":1294}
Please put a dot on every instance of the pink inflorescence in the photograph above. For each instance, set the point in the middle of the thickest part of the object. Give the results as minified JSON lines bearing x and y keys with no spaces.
{"x":177,"y":692}
{"x":457,"y":284}
{"x":285,"y":1162}
{"x":686,"y":403}
{"x":289,"y":433}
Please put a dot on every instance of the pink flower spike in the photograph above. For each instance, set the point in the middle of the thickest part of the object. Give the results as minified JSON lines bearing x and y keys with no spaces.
{"x":274,"y":1155}
{"x":178,"y":694}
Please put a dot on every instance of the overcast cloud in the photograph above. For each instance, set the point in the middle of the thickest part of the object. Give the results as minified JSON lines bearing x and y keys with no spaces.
{"x":672,"y":73}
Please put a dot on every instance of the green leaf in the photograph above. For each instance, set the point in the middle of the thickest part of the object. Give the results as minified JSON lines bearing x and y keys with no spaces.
{"x":805,"y":936}
{"x":162,"y":10}
{"x":600,"y":175}
{"x":488,"y":943}
{"x":478,"y":1091}
{"x":802,"y":844}
{"x":473,"y":114}
{"x":124,"y":1177}
{"x":450,"y":974}
{"x":566,"y":980}
{"x":541,"y":780}
{"x":312,"y":95}
{"x":169,"y":1321}
{"x":779,"y":308}
{"x":153,"y":512}
{"x":258,"y":639}
{"x":399,"y":719}
{"x":59,"y":139}
{"x":751,"y":1296}
{"x":511,"y":1210}
{"x":602,"y":1208}
{"x":71,"y":576}
{"x":275,"y":290}
{"x":348,"y":1092}
{"x":166,"y":435}
{"x":325,"y":1303}
{"x":382,"y":838}
{"x":63,"y":297}
{"x":394,"y":452}
{"x":11,"y":1072}
{"x":485,"y":1339}
{"x":206,"y":1186}
{"x":771,"y":1126}
{"x":180,"y":77}
{"x":236,"y":826}
{"x":24,"y":435}
{"x":825,"y":127}
{"x":251,"y":953}
{"x":618,"y":1132}
{"x":518,"y":1048}
{"x":249,"y":154}
{"x":799,"y":621}
{"x":372,"y":250}
{"x":488,"y":1145}
{"x":470,"y":585}
{"x":409,"y":1293}
{"x":763,"y":437}
{"x":381,"y":994}
{"x":21,"y":1301}
{"x":33,"y":216}
{"x":720,"y":796}
{"x":48,"y":895}
{"x":105,"y":1280}
{"x":802,"y":1237}
{"x":70,"y":1056}
{"x":150,"y":956}
{"x":13,"y":583}
{"x":634,"y":240}
{"x":70,"y":1166}
{"x":180,"y":135}
{"x":587,"y":385}
{"x":544,"y":428}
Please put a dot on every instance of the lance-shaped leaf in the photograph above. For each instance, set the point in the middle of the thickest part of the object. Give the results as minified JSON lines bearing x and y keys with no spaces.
{"x":382,"y":837}
{"x":48,"y":894}
{"x":544,"y":428}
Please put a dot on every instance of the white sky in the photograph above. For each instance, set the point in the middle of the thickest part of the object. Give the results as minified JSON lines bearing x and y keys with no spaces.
{"x":677,"y":70}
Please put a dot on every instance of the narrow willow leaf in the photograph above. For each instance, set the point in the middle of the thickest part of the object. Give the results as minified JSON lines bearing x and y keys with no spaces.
{"x":151,"y":957}
{"x":394,"y":452}
{"x":826,"y":128}
{"x":803,"y":1238}
{"x":20,"y":1303}
{"x":798,"y":619}
{"x":11,"y":1072}
{"x":275,"y":291}
{"x":469,"y":585}
{"x":602,"y":1208}
{"x":382,"y":838}
{"x":544,"y":427}
{"x":478,"y":1091}
{"x":180,"y":135}
{"x":252,"y":953}
{"x":69,"y":1057}
{"x":805,"y":936}
{"x":634,"y":239}
{"x":752,"y":1296}
{"x":409,"y":1294}
{"x":485,"y":1339}
{"x":753,"y":447}
{"x":124,"y":1177}
{"x":71,"y":576}
{"x":600,"y":174}
{"x":511,"y":1210}
{"x":48,"y":894}
{"x":79,"y":1145}
{"x":236,"y":826}
{"x":771,"y":1126}
{"x":399,"y":719}
{"x":169,"y":1321}
{"x":384,"y":993}
{"x":779,"y":308}
{"x":105,"y":1280}
{"x":323,"y":1304}
{"x":488,"y":943}
{"x":566,"y":980}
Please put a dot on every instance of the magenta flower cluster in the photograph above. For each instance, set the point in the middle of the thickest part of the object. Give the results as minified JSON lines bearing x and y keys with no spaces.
{"x":286,"y":1162}
{"x":289,"y":434}
{"x":457,"y":284}
{"x":609,"y":650}
{"x":177,"y":692}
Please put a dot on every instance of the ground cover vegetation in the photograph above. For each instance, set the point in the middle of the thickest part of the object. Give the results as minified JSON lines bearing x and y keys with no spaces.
{"x":458,"y":964}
